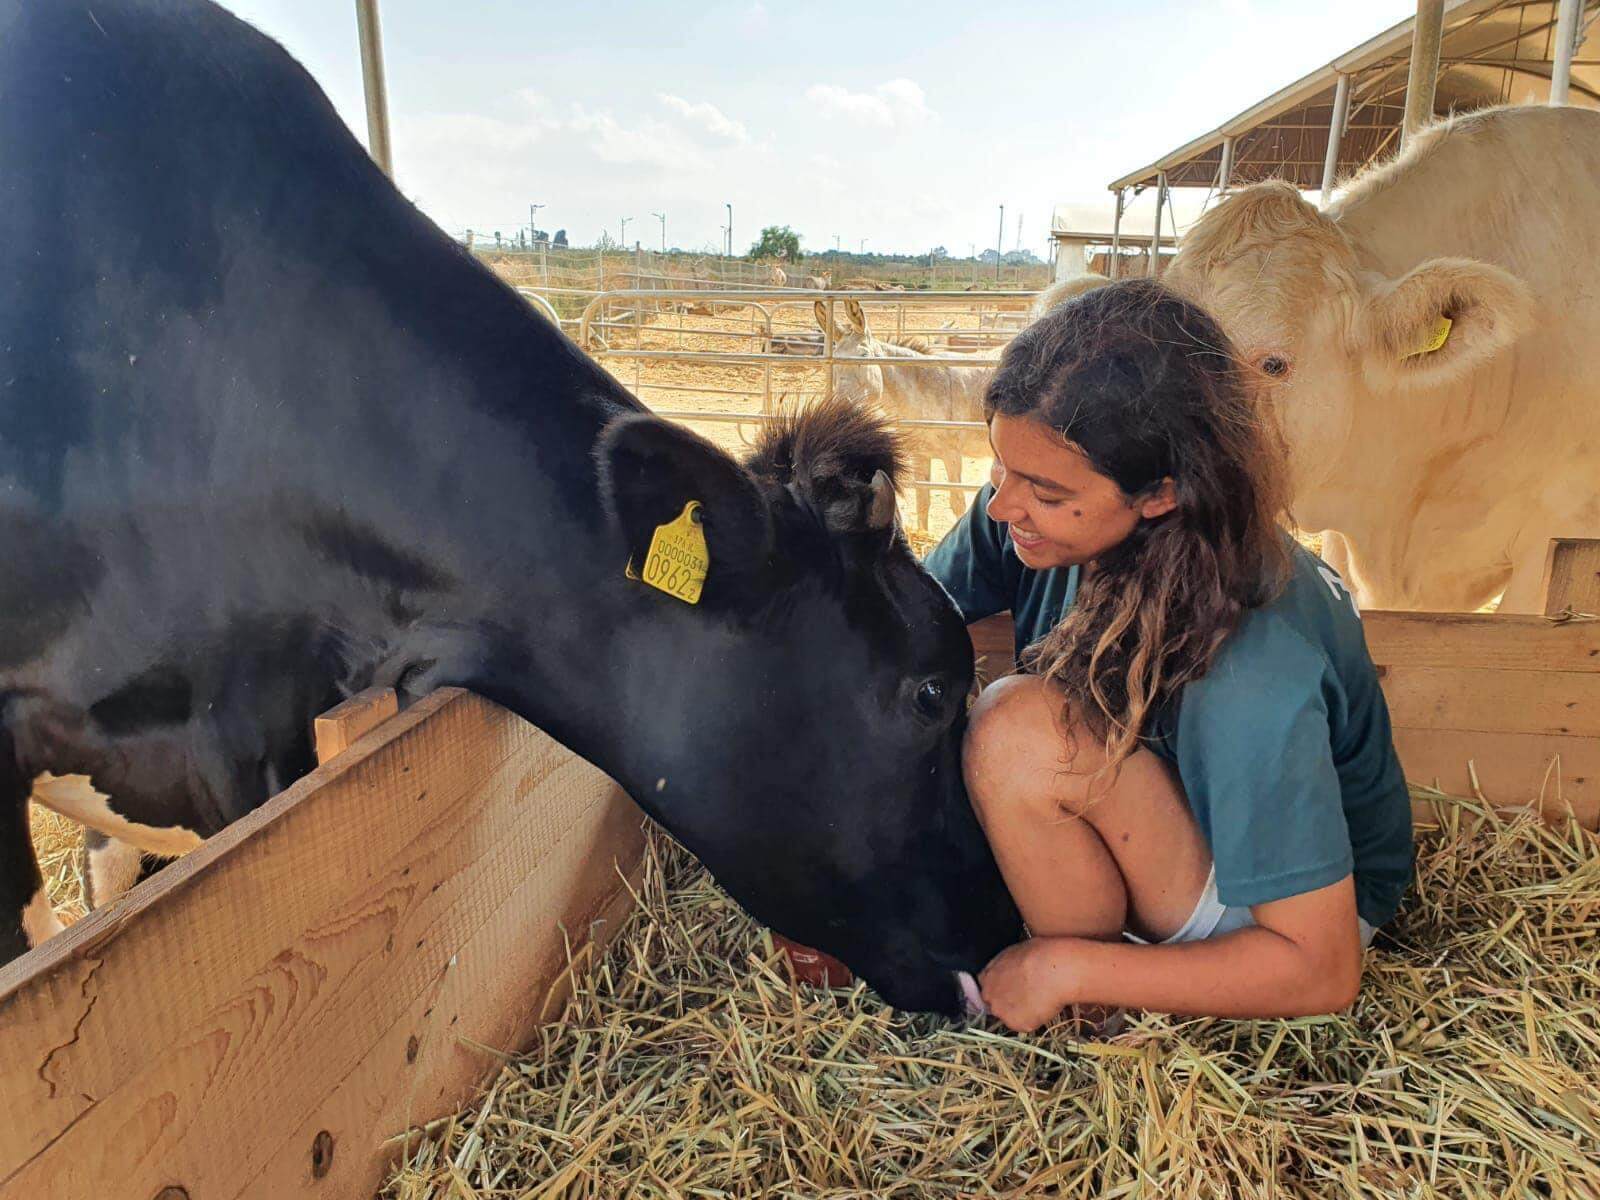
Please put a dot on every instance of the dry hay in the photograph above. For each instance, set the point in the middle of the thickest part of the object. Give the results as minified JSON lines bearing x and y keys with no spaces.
{"x":58,"y":841}
{"x":688,"y":1064}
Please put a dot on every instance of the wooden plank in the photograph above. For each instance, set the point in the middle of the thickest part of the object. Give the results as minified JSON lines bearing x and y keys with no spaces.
{"x":338,"y":728}
{"x":994,"y":639}
{"x":1552,"y":702}
{"x":1572,"y":576}
{"x":1512,"y":769}
{"x":318,"y":967}
{"x":1479,"y":640}
{"x":1484,"y":641}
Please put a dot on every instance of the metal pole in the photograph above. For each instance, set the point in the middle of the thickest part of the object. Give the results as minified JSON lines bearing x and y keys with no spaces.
{"x":730,"y":230}
{"x":999,"y":241}
{"x":1425,"y":37}
{"x":1341,"y":110}
{"x":1226,"y":172}
{"x":372,"y":77}
{"x":1116,"y":235}
{"x":662,"y":217}
{"x":1566,"y":43}
{"x":1155,"y":240}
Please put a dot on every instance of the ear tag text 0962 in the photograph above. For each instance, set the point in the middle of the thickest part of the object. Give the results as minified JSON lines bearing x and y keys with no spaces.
{"x":678,"y":560}
{"x":1436,"y":338}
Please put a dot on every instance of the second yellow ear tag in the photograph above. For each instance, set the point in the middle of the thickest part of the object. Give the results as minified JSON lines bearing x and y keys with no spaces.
{"x":678,"y":560}
{"x":1437,"y":338}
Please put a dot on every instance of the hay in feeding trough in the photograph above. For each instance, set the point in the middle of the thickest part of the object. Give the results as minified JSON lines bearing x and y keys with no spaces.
{"x":688,"y":1064}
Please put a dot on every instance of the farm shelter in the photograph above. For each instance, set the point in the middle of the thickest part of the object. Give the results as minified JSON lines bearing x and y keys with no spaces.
{"x":348,"y":978}
{"x":1490,"y":52}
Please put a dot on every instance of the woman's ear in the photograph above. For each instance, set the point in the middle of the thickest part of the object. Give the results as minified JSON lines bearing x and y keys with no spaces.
{"x":1159,"y":500}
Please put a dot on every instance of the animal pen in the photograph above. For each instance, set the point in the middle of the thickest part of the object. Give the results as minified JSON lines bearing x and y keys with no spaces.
{"x":724,"y":362}
{"x":274,"y":1013}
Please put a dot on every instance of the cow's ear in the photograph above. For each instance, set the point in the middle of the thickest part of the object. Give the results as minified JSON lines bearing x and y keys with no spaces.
{"x":651,"y":469}
{"x":1442,"y":319}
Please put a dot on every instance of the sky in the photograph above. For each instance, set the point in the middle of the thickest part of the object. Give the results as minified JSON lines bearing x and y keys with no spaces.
{"x":891,"y":126}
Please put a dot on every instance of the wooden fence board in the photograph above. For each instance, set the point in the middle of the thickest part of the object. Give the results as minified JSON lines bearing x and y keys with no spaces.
{"x":1481,"y":641}
{"x":1551,"y":702}
{"x":1572,"y":576}
{"x":1557,"y":773}
{"x":303,"y":947}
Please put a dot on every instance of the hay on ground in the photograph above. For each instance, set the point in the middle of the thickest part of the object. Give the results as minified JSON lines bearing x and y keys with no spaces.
{"x":689,"y":1064}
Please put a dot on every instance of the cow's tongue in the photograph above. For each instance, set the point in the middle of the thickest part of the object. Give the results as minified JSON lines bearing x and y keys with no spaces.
{"x":971,"y":996}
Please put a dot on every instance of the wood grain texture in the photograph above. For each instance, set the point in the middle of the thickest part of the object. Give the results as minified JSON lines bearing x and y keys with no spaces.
{"x":324,"y":964}
{"x":1572,"y":576}
{"x":336,"y":730}
{"x":1552,"y":702}
{"x":1481,"y":641}
{"x":1559,"y":774}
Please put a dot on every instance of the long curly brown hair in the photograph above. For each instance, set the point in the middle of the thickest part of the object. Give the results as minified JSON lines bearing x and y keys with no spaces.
{"x":1148,"y":388}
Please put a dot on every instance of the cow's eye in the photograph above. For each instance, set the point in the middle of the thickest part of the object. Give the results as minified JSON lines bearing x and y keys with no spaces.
{"x":1275,"y":365}
{"x":930,"y":697}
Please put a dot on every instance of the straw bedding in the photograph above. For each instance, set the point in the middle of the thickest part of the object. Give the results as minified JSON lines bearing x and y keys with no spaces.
{"x":689,"y":1064}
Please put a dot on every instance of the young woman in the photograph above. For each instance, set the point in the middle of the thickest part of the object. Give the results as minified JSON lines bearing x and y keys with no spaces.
{"x":1192,"y":791}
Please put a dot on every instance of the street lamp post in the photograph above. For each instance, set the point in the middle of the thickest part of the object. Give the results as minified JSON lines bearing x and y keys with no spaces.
{"x":662,"y":217}
{"x":623,"y":240}
{"x":730,"y":230}
{"x":998,"y":242}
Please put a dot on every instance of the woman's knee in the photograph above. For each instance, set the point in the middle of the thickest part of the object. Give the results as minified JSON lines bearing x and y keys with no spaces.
{"x":1012,"y":751}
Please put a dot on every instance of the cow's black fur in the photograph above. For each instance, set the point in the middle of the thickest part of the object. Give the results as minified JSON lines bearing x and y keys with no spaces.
{"x":268,"y":437}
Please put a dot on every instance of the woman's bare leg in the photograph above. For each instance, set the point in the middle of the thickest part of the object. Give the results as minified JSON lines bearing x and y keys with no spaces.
{"x":1081,"y":859}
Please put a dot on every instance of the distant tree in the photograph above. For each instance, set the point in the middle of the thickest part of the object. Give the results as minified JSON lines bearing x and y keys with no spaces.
{"x":561,"y":237}
{"x":539,"y":235}
{"x":777,"y":241}
{"x":1021,"y":258}
{"x":938,"y":252}
{"x":606,"y":242}
{"x":988,"y":256}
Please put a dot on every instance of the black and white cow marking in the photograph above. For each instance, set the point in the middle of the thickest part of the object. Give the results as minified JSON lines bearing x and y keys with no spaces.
{"x":268,"y":437}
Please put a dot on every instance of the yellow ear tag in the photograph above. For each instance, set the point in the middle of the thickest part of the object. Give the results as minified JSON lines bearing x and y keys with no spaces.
{"x":678,"y":560}
{"x":1436,"y":339}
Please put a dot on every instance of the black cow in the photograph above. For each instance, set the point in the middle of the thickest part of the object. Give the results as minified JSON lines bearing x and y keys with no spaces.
{"x":268,"y":437}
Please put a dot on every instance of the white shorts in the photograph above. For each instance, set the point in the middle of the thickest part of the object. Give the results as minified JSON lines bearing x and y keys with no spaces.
{"x":1212,"y":918}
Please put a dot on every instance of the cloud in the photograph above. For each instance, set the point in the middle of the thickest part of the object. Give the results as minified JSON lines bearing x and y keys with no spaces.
{"x":754,"y":19}
{"x":707,"y":116}
{"x":649,"y":142}
{"x":897,"y":102}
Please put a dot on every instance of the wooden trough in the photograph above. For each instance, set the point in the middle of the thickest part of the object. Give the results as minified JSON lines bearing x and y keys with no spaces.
{"x":264,"y":1016}
{"x":268,"y":1016}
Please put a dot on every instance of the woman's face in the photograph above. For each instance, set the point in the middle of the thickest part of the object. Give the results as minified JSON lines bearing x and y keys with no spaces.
{"x":1060,"y":509}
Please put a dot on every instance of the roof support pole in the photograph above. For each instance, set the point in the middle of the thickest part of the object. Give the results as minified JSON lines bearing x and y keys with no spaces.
{"x":1566,"y":44}
{"x":1227,"y":165}
{"x":1341,"y":111}
{"x":1420,"y":83}
{"x":1155,"y":238}
{"x":1116,"y":235}
{"x":372,"y":78}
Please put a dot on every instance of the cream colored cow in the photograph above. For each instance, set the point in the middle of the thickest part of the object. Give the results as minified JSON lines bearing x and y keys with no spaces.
{"x":1430,"y":340}
{"x":928,"y":393}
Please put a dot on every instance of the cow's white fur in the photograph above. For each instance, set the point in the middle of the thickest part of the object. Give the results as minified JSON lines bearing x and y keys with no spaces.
{"x":1448,"y":472}
{"x":75,"y":796}
{"x":39,"y":920}
{"x":113,"y":869}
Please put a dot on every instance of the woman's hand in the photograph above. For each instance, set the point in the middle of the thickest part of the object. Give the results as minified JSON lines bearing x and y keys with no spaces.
{"x":1027,"y":984}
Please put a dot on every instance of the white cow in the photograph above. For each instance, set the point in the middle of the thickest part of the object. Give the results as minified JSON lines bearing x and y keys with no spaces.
{"x":1431,"y":340}
{"x":929,"y":393}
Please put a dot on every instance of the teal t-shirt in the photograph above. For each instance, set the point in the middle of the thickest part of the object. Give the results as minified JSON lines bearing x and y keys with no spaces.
{"x":1283,"y":747}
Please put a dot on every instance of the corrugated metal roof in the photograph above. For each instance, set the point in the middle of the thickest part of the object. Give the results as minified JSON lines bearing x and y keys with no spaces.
{"x":1492,"y":52}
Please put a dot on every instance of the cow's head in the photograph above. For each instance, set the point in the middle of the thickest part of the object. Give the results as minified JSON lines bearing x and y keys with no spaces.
{"x":808,"y":750}
{"x":1328,"y":338}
